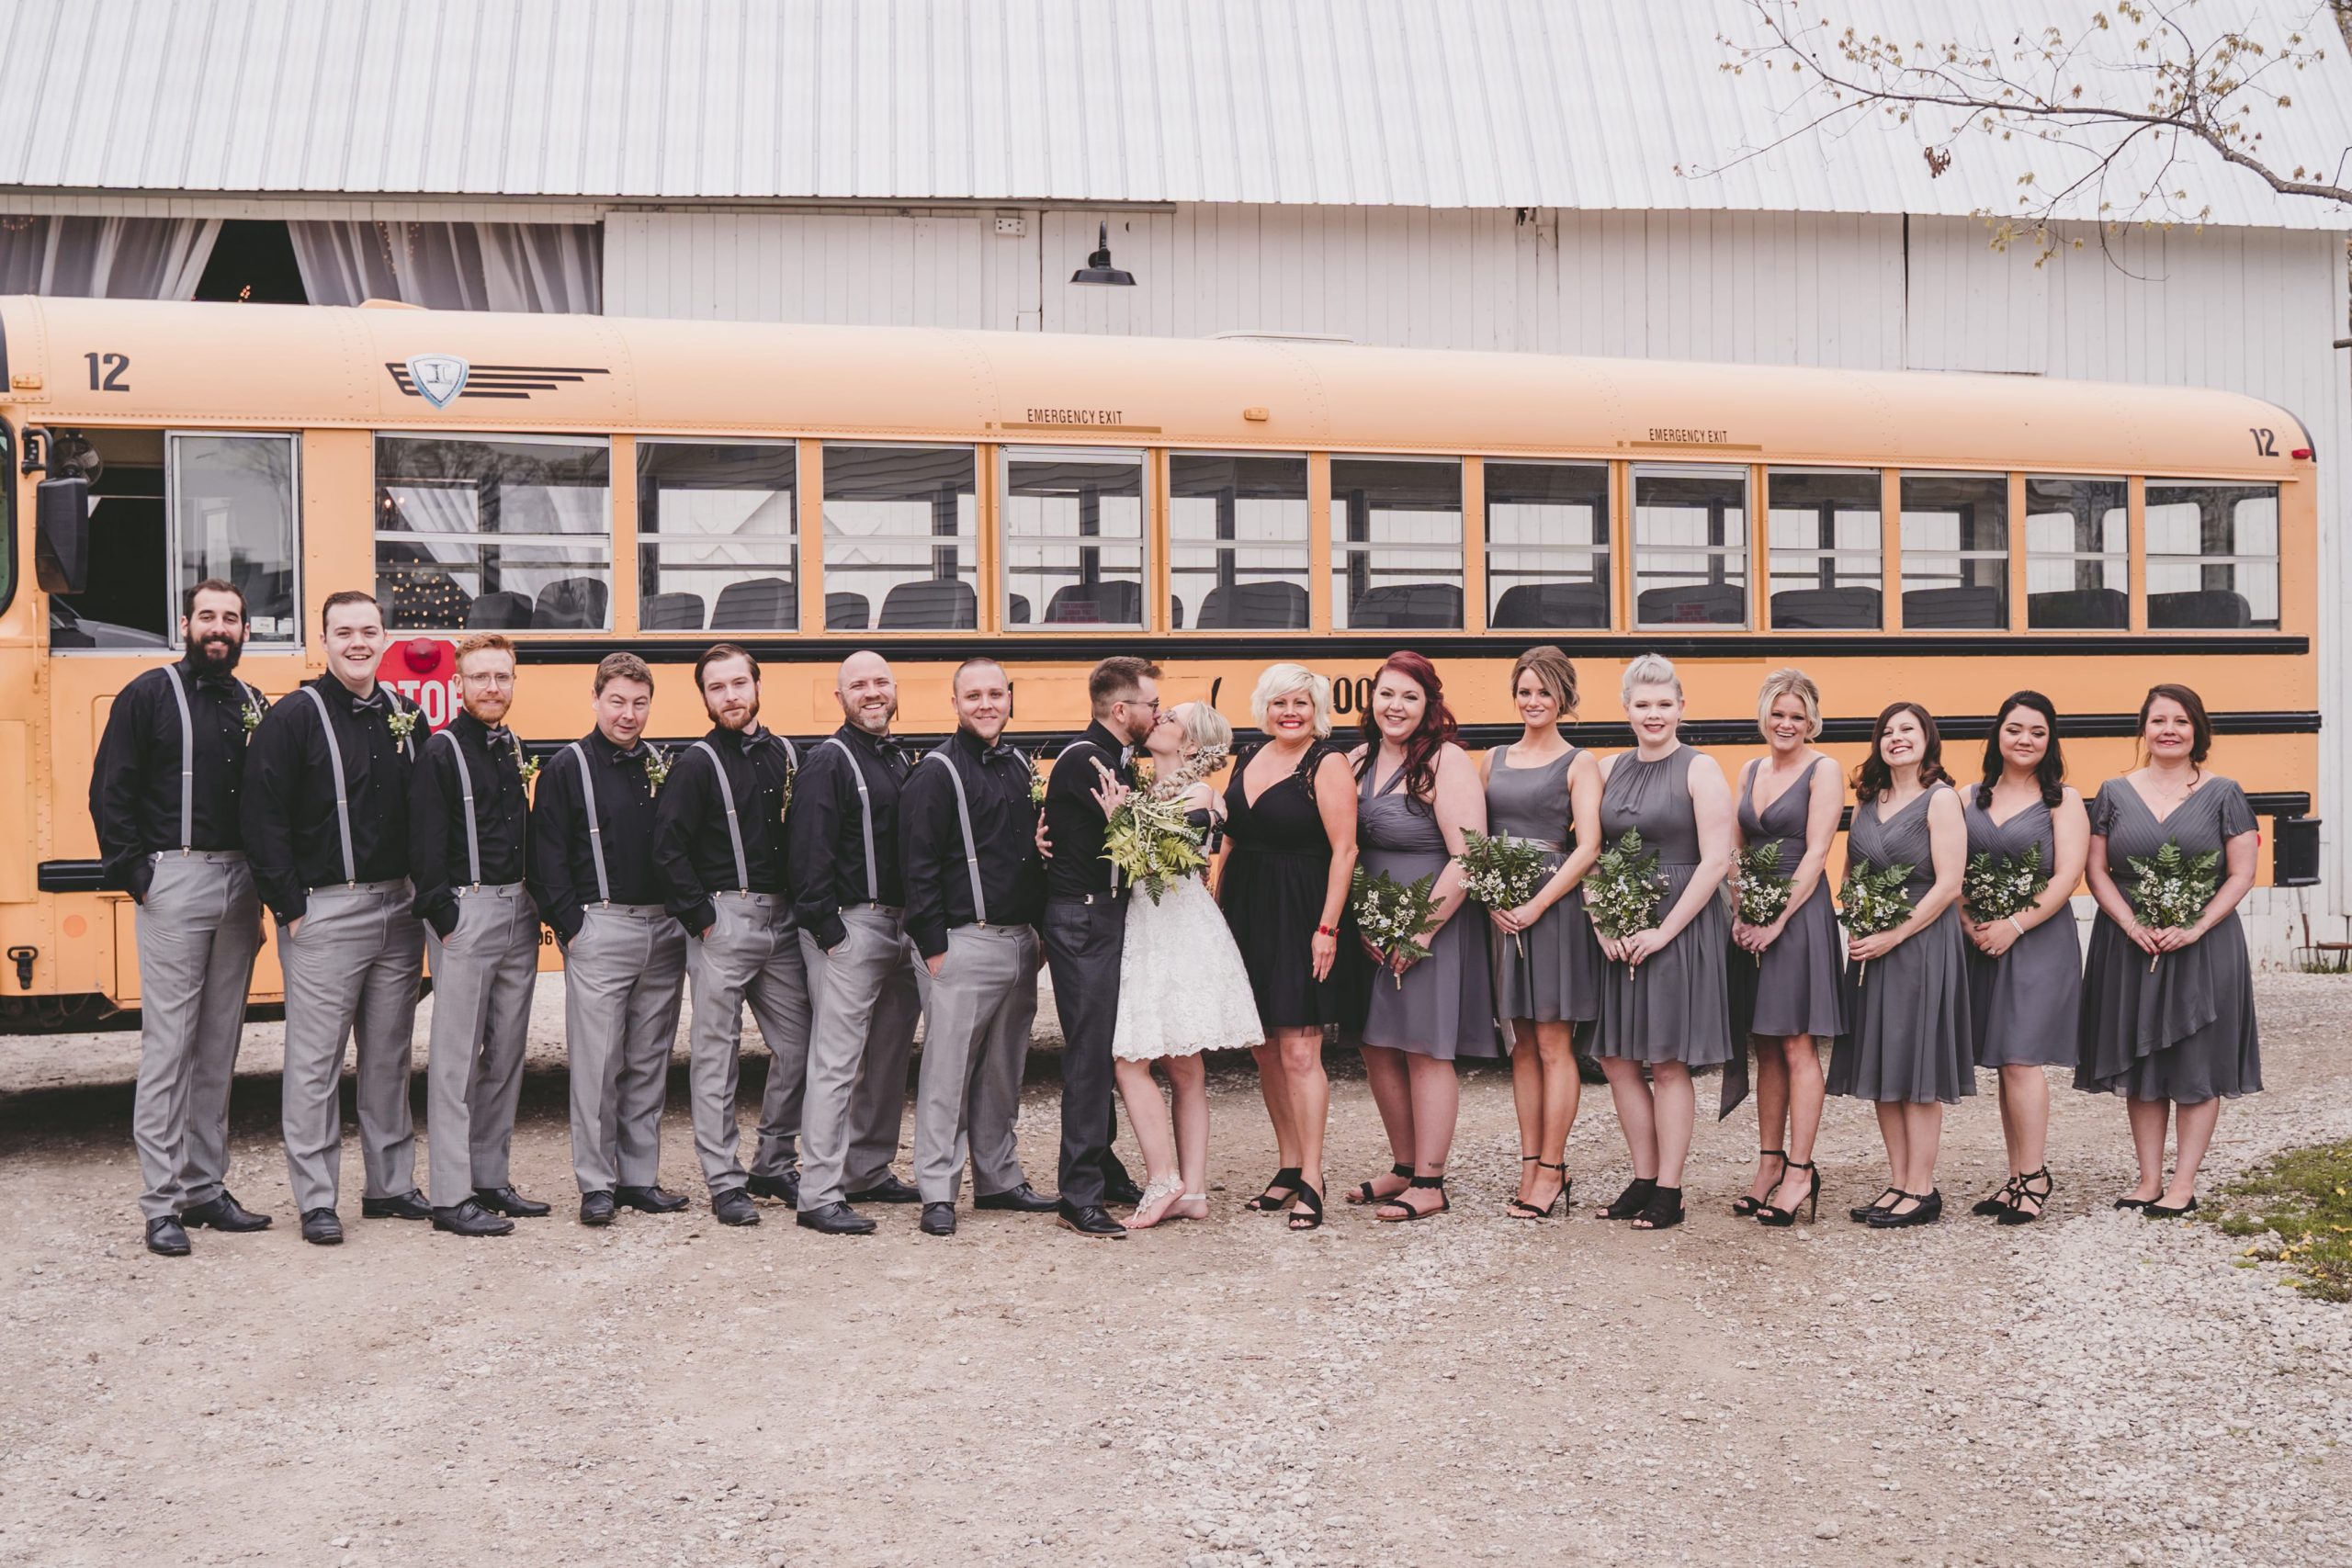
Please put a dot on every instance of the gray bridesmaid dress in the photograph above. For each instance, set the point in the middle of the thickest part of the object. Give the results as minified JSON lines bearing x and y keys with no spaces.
{"x":1676,"y":1006}
{"x":1444,"y":1006}
{"x":1907,"y":1034}
{"x":2022,"y":1006}
{"x":1798,"y":989}
{"x":2185,"y":1032}
{"x":1557,"y":979}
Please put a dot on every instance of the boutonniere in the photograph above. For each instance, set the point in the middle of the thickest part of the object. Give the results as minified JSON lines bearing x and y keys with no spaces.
{"x":657,"y":770}
{"x":1036,"y":782}
{"x":250,"y":715}
{"x":402,"y":723}
{"x":786,"y":809}
{"x":526,"y":765}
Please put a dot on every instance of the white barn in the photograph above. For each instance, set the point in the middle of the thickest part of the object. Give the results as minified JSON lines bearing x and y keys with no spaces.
{"x":1508,"y":174}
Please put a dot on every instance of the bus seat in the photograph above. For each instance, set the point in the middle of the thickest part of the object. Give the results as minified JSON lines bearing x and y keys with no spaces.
{"x":499,"y":612}
{"x":1254,"y":606}
{"x":847,"y":611}
{"x":1692,"y":604}
{"x":1925,"y":609}
{"x":671,"y":613}
{"x":2199,"y":607}
{"x":571,"y":603}
{"x":941,"y":602}
{"x":1827,"y":609}
{"x":2074,"y":607}
{"x":756,"y":603}
{"x":1552,"y":604}
{"x":1112,"y":602}
{"x":1408,"y":604}
{"x":1016,"y":609}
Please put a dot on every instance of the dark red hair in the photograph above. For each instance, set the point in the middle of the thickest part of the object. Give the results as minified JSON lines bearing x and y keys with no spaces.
{"x":1436,"y":726}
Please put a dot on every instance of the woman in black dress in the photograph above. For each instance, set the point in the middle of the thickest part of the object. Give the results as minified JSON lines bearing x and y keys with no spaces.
{"x":1290,"y":835}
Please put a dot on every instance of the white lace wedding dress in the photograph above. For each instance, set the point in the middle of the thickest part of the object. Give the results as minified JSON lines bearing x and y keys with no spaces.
{"x":1182,"y":986}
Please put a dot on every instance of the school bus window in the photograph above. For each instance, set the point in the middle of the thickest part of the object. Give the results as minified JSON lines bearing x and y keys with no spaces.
{"x":127,"y":601}
{"x":232,"y":518}
{"x":1395,"y":543}
{"x":1547,"y":545}
{"x":717,"y":543}
{"x":2212,"y":555}
{"x":1955,"y":551}
{"x":1236,"y":541}
{"x":1690,"y":545}
{"x":902,"y":538}
{"x":1826,"y":540}
{"x":507,"y":533}
{"x":1073,"y":538}
{"x":2077,"y":554}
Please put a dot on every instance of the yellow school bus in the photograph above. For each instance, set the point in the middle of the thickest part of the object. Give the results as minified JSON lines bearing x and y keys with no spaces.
{"x":586,"y":484}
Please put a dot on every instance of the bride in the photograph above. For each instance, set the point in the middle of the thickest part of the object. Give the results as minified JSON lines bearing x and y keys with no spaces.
{"x":1182,"y":989}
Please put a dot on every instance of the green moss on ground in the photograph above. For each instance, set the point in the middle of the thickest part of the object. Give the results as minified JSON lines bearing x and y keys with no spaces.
{"x":2306,"y":1196}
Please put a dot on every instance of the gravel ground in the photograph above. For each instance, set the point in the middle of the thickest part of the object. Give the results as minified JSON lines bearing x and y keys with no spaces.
{"x":2095,"y":1389}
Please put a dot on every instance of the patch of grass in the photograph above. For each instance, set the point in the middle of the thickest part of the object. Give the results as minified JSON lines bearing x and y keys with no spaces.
{"x":2306,"y":1196}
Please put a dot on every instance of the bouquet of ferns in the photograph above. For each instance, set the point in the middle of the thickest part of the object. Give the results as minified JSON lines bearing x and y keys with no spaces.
{"x":1763,"y":890}
{"x":1873,"y":901}
{"x":1149,"y":842}
{"x":1622,"y":891}
{"x":1998,"y":886}
{"x":1502,"y":873}
{"x":1393,"y":915}
{"x":2173,"y":887}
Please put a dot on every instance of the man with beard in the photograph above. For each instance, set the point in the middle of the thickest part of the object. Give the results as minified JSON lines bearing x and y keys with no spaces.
{"x":326,"y":818}
{"x":467,"y":811}
{"x":848,"y":899}
{"x":624,"y":957}
{"x":163,"y":794}
{"x":1085,"y":928}
{"x":968,"y":837}
{"x":718,"y":844}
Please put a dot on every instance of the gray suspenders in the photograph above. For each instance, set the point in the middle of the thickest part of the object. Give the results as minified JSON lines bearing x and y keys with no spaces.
{"x":964,"y":817}
{"x":466,"y":784}
{"x":188,"y":753}
{"x":865,"y":812}
{"x":342,"y":801}
{"x":727,"y":798}
{"x":596,"y":828}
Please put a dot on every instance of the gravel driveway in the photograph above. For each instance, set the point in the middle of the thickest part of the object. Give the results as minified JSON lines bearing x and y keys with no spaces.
{"x":2093,"y":1390}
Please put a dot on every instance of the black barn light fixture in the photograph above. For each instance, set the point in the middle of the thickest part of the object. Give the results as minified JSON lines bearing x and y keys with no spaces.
{"x":1098,"y":269}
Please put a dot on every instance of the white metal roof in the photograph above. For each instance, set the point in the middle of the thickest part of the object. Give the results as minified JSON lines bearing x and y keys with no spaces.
{"x":1577,"y":104}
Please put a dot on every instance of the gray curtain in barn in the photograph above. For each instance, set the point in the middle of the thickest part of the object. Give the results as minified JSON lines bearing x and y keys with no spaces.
{"x":106,"y":258}
{"x":454,"y":266}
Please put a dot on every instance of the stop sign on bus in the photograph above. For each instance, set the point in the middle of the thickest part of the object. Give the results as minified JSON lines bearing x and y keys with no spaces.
{"x":425,"y":670}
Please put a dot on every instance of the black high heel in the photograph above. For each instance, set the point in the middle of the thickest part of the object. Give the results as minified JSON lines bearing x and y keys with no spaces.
{"x":2017,"y":1213}
{"x":1747,"y":1203}
{"x":1861,"y":1213}
{"x":1364,"y":1194}
{"x":1928,"y":1209}
{"x":1998,"y":1201}
{"x":1782,"y":1218}
{"x":1663,"y":1212}
{"x":1521,"y":1209}
{"x":1309,"y":1214}
{"x":1633,"y":1201}
{"x":1405,"y":1213}
{"x":1280,"y":1191}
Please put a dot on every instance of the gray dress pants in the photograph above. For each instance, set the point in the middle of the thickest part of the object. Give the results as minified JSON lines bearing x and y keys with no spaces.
{"x":624,"y":979}
{"x":483,"y":973}
{"x":751,"y":953}
{"x":978,"y":1012}
{"x":198,"y":930}
{"x":351,"y":971}
{"x":862,"y":1006}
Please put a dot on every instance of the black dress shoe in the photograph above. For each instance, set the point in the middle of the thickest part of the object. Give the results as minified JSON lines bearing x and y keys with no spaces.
{"x":596,"y":1208}
{"x":470,"y":1218}
{"x":507,"y":1202}
{"x":320,"y":1228}
{"x":939,"y":1219}
{"x":734,"y":1207}
{"x":784,"y":1188}
{"x":1022,"y":1199}
{"x":409,"y":1205}
{"x":1091,"y":1219}
{"x":648,"y":1199}
{"x":1122,"y":1188}
{"x":890,"y":1189}
{"x":166,"y":1238}
{"x":834,"y":1219}
{"x":224,"y":1213}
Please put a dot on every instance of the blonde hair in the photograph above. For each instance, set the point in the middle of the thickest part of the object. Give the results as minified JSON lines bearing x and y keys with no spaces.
{"x":1790,"y":683}
{"x":1554,"y":672}
{"x":1281,"y":680}
{"x":1649,"y":670}
{"x":1209,"y":739}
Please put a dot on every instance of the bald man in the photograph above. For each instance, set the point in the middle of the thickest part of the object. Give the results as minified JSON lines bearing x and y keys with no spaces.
{"x":842,"y":841}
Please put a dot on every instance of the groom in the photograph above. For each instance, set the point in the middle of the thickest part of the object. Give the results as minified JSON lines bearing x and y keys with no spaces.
{"x":1084,"y":929}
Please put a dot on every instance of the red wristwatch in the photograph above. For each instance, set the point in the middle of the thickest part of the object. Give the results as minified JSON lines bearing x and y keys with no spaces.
{"x":1326,"y":931}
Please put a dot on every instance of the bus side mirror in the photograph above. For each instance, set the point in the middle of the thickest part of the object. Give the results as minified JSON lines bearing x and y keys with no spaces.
{"x":61,"y":535}
{"x":2294,"y":859}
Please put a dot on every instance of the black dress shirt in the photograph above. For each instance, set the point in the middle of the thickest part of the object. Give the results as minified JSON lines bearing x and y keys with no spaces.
{"x":562,"y":862}
{"x":135,"y":779}
{"x":690,"y":844}
{"x":1074,"y":820}
{"x":437,"y":833}
{"x":1004,"y":833}
{"x":288,"y":813}
{"x":825,"y":835}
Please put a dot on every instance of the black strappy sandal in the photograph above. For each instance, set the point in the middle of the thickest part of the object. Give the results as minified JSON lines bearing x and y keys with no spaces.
{"x":2017,"y":1213}
{"x":1998,"y":1203}
{"x":1405,"y":1213}
{"x":1632,"y":1201}
{"x":1281,"y":1191}
{"x":1521,"y":1209}
{"x":1364,"y":1194}
{"x":1745,"y":1203}
{"x":1663,"y":1212}
{"x":1782,"y":1218}
{"x":1309,"y":1214}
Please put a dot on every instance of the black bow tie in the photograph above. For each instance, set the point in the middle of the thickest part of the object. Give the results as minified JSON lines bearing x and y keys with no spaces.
{"x":499,"y":737}
{"x":631,"y":755}
{"x":992,"y":753}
